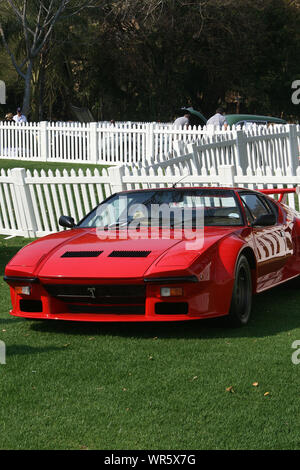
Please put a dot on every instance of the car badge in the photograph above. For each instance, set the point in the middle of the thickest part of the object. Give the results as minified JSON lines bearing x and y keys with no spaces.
{"x":92,"y":291}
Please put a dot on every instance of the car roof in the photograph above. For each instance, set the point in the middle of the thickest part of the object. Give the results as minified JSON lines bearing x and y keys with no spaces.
{"x":188,"y":188}
{"x":234,"y":118}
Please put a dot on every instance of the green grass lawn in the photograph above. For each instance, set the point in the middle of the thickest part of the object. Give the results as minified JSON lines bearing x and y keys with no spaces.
{"x":32,"y":165}
{"x":151,"y":386}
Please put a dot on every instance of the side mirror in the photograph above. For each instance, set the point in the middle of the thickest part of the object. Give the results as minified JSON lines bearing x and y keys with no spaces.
{"x":66,"y":221}
{"x":264,"y":220}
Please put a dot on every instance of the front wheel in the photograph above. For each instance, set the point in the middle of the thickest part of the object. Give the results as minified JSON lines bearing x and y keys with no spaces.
{"x":241,"y":302}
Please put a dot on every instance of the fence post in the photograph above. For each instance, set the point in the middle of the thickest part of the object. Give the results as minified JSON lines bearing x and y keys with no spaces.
{"x":93,"y":150}
{"x":149,"y":141}
{"x":116,"y":174}
{"x":196,"y":159}
{"x":44,"y":141}
{"x":226,"y":175}
{"x":293,"y":152}
{"x":24,"y":211}
{"x":241,"y":148}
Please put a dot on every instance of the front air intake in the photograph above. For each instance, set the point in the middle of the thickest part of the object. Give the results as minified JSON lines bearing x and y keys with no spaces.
{"x":81,"y":254}
{"x":171,"y":308}
{"x":34,"y":306}
{"x":129,"y":254}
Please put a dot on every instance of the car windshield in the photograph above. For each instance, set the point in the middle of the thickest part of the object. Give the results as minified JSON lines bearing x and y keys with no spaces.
{"x":173,"y":208}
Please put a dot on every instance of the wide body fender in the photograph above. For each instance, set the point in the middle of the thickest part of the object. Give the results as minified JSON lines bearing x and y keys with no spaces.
{"x":232,"y":247}
{"x":216,"y":270}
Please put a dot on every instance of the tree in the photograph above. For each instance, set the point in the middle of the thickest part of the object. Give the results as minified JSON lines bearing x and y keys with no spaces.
{"x":35,"y":21}
{"x":143,"y":59}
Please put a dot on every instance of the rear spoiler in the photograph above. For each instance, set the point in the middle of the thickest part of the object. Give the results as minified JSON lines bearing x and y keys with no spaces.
{"x":281,"y":191}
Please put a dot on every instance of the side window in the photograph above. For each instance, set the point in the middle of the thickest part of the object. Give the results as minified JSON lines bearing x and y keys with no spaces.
{"x":274,"y":207}
{"x":249,"y":216}
{"x":254,"y":205}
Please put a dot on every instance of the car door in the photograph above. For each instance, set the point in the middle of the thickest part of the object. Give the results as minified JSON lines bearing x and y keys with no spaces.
{"x":269,"y":241}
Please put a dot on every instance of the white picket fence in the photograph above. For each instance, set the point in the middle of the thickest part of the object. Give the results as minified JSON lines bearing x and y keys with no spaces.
{"x":31,"y":203}
{"x":259,"y":147}
{"x":143,"y":155}
{"x":93,"y":143}
{"x":121,"y":143}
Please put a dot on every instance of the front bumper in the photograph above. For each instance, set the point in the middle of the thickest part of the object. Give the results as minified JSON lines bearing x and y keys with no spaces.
{"x":94,"y":300}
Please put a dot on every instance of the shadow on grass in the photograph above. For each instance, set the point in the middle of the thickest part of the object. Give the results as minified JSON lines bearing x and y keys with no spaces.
{"x":274,"y":311}
{"x":23,"y":349}
{"x":10,"y":320}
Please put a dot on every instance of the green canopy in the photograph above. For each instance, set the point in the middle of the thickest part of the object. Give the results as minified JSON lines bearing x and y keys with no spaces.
{"x":193,"y":112}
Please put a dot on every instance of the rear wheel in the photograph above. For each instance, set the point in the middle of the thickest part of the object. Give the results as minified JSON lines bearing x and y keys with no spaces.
{"x":241,"y":302}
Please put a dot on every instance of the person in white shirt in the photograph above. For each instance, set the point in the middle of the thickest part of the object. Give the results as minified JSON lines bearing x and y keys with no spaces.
{"x":182,"y":121}
{"x":19,"y":117}
{"x":218,"y":119}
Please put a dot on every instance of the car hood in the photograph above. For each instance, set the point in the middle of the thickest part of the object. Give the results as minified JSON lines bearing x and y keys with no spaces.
{"x":81,"y":254}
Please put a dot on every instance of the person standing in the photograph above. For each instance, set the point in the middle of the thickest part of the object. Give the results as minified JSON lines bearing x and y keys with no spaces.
{"x":218,"y":119}
{"x":182,"y":121}
{"x":19,"y":117}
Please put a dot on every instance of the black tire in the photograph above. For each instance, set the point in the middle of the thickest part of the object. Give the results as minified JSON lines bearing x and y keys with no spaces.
{"x":241,"y":302}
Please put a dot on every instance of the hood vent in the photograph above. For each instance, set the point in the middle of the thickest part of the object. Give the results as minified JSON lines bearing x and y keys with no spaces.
{"x":81,"y":254}
{"x":129,"y":254}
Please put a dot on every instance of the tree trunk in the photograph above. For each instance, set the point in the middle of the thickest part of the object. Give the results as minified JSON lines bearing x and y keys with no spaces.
{"x":41,"y":92}
{"x":27,"y":90}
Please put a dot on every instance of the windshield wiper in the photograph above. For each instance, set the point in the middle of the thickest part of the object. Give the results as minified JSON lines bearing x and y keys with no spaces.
{"x":116,"y":225}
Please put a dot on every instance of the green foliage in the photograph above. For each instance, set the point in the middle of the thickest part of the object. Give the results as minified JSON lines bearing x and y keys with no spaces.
{"x":141,"y":60}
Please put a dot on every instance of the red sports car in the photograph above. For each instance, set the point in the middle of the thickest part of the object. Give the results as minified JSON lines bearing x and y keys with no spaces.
{"x":160,"y":255}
